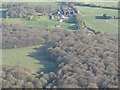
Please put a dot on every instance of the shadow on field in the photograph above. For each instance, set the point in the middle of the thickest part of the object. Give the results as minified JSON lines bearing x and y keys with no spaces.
{"x":102,"y":17}
{"x":41,"y":54}
{"x":74,"y":27}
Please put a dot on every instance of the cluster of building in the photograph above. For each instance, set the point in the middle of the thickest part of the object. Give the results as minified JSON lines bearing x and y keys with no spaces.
{"x":63,"y":13}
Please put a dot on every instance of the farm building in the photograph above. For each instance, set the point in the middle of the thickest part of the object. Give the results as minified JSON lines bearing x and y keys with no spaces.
{"x":39,"y":14}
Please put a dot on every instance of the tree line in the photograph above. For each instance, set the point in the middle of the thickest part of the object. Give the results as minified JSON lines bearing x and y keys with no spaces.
{"x":17,"y":36}
{"x":24,"y":10}
{"x":19,"y":77}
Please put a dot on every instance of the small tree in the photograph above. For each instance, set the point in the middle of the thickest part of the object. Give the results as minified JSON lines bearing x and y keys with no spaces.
{"x":104,"y":15}
{"x":33,"y":17}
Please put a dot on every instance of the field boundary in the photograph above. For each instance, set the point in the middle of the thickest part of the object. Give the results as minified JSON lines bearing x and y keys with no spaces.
{"x":94,"y":31}
{"x":82,"y":24}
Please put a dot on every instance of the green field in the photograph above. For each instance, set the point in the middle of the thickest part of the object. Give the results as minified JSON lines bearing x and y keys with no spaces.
{"x":2,"y":9}
{"x":42,"y":22}
{"x":34,"y":58}
{"x":104,"y":25}
{"x":107,"y":4}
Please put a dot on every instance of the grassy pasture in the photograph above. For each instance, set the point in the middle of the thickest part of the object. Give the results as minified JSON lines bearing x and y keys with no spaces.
{"x":2,"y":9}
{"x":42,"y":21}
{"x":33,"y":58}
{"x":107,"y":4}
{"x":103,"y":25}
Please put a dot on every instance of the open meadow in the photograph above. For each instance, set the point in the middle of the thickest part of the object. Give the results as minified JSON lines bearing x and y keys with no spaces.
{"x":41,"y":22}
{"x":33,"y":58}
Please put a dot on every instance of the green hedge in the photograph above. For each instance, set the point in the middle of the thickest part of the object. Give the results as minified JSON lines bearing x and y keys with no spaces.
{"x":79,"y":21}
